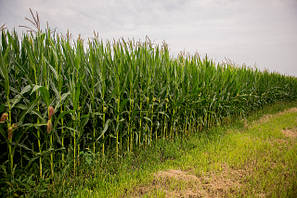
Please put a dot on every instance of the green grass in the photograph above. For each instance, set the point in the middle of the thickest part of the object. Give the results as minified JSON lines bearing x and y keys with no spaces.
{"x":270,"y":166}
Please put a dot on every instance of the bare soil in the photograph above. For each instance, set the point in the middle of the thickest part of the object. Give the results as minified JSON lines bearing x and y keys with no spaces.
{"x":290,"y":133}
{"x":178,"y":183}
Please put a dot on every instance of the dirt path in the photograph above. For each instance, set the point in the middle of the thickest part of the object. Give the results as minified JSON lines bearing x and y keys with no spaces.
{"x":178,"y":183}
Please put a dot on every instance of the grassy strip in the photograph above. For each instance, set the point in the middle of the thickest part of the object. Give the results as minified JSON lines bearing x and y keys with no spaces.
{"x":258,"y":150}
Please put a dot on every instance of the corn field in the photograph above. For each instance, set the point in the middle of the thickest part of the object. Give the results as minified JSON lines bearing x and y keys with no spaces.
{"x":59,"y":97}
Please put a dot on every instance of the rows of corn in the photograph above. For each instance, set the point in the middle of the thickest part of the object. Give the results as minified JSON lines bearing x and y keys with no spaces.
{"x":59,"y":97}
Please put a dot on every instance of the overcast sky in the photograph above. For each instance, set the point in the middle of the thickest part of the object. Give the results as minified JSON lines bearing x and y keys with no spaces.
{"x":251,"y":32}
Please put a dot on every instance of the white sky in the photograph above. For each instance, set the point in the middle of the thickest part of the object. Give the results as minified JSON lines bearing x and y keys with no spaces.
{"x":254,"y":32}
